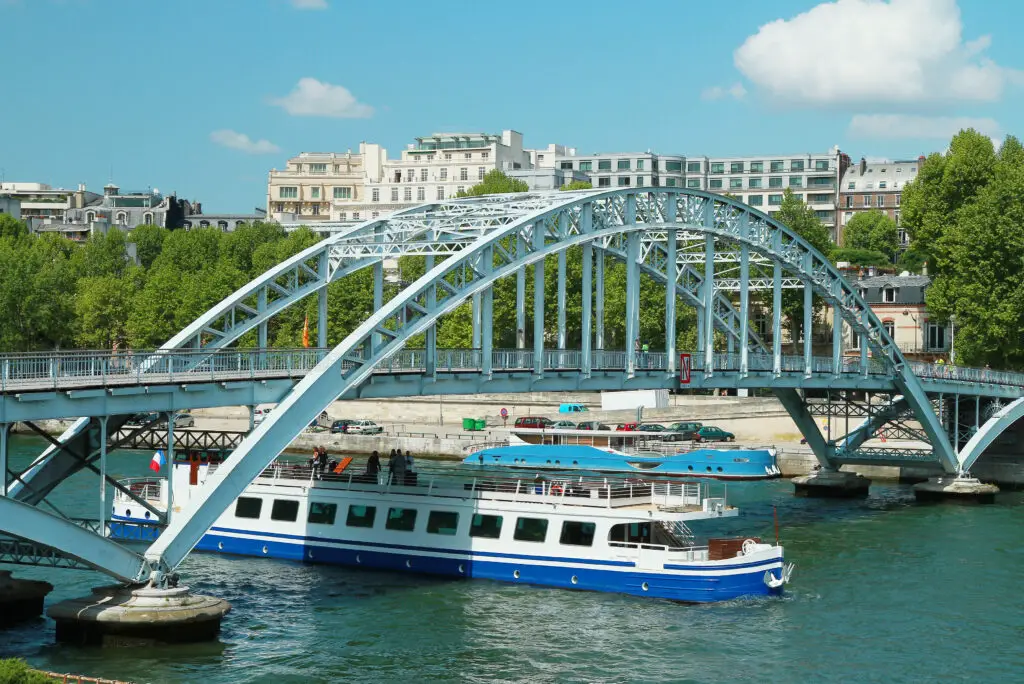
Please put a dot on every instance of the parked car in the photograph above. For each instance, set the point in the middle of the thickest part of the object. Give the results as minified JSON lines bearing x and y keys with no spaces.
{"x":628,"y":427}
{"x":658,"y":430}
{"x":533,"y":422}
{"x":184,"y":419}
{"x":260,"y":413}
{"x":592,"y":425}
{"x":571,"y":408}
{"x":363,"y":427}
{"x":677,"y":432}
{"x":564,"y":425}
{"x":710,"y":433}
{"x":340,"y":427}
{"x":140,"y":419}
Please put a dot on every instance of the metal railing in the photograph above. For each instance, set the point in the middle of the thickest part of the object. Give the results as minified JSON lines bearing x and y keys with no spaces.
{"x":37,"y":371}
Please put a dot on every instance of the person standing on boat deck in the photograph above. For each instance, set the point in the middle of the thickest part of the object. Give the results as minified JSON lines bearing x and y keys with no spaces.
{"x":397,"y":468}
{"x":410,"y":474}
{"x":373,"y":465}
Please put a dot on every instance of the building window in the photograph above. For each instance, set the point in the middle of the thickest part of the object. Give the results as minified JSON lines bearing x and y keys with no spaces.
{"x":693,"y":167}
{"x":623,"y":180}
{"x":248,"y":507}
{"x":889,"y":295}
{"x":147,"y":218}
{"x":881,"y":185}
{"x":423,"y":175}
{"x":715,"y":183}
{"x":286,"y":510}
{"x":880,"y":201}
{"x":421,"y":194}
{"x":604,"y":165}
{"x":322,"y":513}
{"x":122,"y":218}
{"x":604,"y":182}
{"x":735,"y":183}
{"x":847,"y":216}
{"x":343,"y":216}
{"x":757,"y":167}
{"x":736,"y":167}
{"x":447,"y":156}
{"x":279,"y":207}
{"x":586,"y":165}
{"x":460,"y":189}
{"x":890,"y":329}
{"x":288,"y":192}
{"x":531,"y":529}
{"x":355,"y":215}
{"x":674,"y":166}
{"x":565,"y":166}
{"x":204,"y":224}
{"x":480,"y":173}
{"x":870,"y":186}
{"x":717,"y":167}
{"x":486,"y":526}
{"x":898,"y":197}
{"x":796,"y":165}
{"x":670,"y":182}
{"x":444,"y":174}
{"x":639,"y":181}
{"x":776,"y":166}
{"x":867,"y":200}
{"x":463,"y":174}
{"x":576,"y":533}
{"x":375,"y":214}
{"x":361,"y":516}
{"x":407,"y":194}
{"x":375,"y":195}
{"x":775,"y":182}
{"x":796,"y":181}
{"x":91,"y":216}
{"x":342,"y":193}
{"x":936,"y":338}
{"x":314,"y":193}
{"x":754,"y":183}
{"x":693,"y":183}
{"x":896,"y":218}
{"x":223,"y":225}
{"x":755,"y":200}
{"x":822,"y":165}
{"x":622,"y":165}
{"x":485,"y":155}
{"x":394,"y":194}
{"x":639,"y":164}
{"x":440,"y":192}
{"x":318,"y":168}
{"x":904,"y":239}
{"x":849,"y":201}
{"x":443,"y":522}
{"x":401,"y":519}
{"x":775,"y":200}
{"x":468,"y":155}
{"x":410,"y":175}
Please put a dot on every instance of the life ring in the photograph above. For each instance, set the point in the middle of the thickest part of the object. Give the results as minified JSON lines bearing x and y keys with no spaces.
{"x":556,"y":489}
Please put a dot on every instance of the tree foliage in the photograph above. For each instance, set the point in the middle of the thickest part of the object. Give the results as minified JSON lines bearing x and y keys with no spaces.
{"x":495,"y":182}
{"x":11,"y":227}
{"x":577,"y":185}
{"x":873,"y":231}
{"x":860,"y":257}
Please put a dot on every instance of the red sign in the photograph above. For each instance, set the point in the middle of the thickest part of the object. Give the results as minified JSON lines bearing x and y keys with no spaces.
{"x":504,"y":413}
{"x":684,"y":369}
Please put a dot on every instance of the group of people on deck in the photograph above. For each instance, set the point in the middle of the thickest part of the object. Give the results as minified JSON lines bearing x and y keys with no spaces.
{"x":400,"y":467}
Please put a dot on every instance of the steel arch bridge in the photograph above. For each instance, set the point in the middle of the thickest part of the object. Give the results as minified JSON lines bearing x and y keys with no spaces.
{"x":708,"y":250}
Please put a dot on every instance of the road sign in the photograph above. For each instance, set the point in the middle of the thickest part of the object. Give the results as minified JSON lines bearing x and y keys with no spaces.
{"x":504,"y":413}
{"x":684,"y":369}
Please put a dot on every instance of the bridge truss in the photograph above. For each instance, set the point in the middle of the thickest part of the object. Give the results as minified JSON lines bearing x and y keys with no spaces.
{"x":712,"y":253}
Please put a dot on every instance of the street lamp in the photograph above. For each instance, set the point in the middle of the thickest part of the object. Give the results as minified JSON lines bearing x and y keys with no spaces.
{"x":917,"y":329}
{"x":952,"y":340}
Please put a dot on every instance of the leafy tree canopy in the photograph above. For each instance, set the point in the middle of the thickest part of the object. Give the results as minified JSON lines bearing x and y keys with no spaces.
{"x":496,"y":182}
{"x":874,"y":231}
{"x":856,"y":256}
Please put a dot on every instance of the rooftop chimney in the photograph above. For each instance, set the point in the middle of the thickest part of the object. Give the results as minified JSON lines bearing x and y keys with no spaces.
{"x":863,"y":166}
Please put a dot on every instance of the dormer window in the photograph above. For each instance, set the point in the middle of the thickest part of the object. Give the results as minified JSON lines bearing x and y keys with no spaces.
{"x":889,"y":294}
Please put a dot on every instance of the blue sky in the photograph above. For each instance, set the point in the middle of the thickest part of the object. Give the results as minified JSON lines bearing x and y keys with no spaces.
{"x":203,"y":97}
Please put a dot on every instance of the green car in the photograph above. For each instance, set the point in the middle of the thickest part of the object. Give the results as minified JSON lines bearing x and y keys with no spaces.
{"x":709,"y":433}
{"x":677,"y":432}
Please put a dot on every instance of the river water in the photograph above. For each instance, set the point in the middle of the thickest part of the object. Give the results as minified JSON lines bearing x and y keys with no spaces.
{"x":885,"y":590}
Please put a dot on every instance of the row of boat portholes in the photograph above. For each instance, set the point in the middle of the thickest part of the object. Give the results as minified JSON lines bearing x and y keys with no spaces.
{"x":522,"y":461}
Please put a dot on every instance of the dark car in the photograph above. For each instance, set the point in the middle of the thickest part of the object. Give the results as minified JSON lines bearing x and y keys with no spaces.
{"x":538,"y":422}
{"x":592,"y":425}
{"x":657,"y":430}
{"x":683,"y":430}
{"x":339,"y":427}
{"x":710,"y":433}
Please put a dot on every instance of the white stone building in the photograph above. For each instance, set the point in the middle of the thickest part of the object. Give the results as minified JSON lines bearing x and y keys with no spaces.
{"x":876,"y":185}
{"x":625,"y":169}
{"x":312,"y":183}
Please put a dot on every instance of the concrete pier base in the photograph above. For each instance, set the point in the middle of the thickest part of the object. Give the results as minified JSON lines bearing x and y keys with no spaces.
{"x":831,"y":484}
{"x":961,"y":489}
{"x":119,"y":615}
{"x":20,"y":599}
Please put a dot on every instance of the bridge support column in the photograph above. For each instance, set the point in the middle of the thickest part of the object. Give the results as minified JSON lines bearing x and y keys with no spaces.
{"x":261,"y":329}
{"x":837,"y":341}
{"x":4,"y":427}
{"x":520,"y":295}
{"x":672,"y":277}
{"x":561,"y":299}
{"x":808,"y":319}
{"x":777,"y":319}
{"x":378,"y":299}
{"x":744,"y":309}
{"x":960,"y":489}
{"x":103,"y":474}
{"x":20,"y":599}
{"x":431,"y":334}
{"x":538,"y":304}
{"x":586,"y":291}
{"x":321,"y":320}
{"x":632,"y":301}
{"x":487,"y":320}
{"x":170,"y":466}
{"x":709,"y":305}
{"x":599,"y":300}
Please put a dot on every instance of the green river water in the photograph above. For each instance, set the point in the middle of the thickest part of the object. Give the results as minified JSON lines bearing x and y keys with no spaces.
{"x":885,"y":590}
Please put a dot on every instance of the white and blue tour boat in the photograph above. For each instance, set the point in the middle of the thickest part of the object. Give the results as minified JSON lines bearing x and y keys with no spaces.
{"x":619,"y":536}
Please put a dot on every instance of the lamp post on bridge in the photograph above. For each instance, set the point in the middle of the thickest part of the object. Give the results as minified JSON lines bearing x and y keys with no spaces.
{"x":952,"y":340}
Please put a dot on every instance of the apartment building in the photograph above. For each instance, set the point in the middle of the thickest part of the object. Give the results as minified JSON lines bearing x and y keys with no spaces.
{"x":311,"y":183}
{"x":876,"y":185}
{"x":625,"y":169}
{"x":41,"y":203}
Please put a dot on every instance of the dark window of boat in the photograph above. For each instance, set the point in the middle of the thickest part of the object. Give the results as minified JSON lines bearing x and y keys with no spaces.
{"x":322,"y":513}
{"x":488,"y":526}
{"x":248,"y":507}
{"x":361,"y":516}
{"x":402,"y":519}
{"x":630,"y":533}
{"x":531,"y":529}
{"x":577,"y":533}
{"x":442,"y":522}
{"x":285,"y":510}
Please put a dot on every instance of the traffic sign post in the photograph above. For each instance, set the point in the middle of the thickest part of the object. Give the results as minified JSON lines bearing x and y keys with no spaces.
{"x":684,"y":369}
{"x":504,"y":417}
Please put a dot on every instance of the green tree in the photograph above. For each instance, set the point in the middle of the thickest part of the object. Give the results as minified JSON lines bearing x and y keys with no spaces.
{"x":11,"y":227}
{"x":874,"y":231}
{"x":149,"y":242}
{"x":860,"y":257}
{"x":800,"y":219}
{"x":577,"y":185}
{"x":103,"y":305}
{"x":496,"y":182}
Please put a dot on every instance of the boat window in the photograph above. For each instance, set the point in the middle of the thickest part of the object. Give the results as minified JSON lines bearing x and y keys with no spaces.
{"x":488,"y":526}
{"x":322,"y":513}
{"x":248,"y":507}
{"x":442,"y":522}
{"x":531,"y":529}
{"x":631,"y":533}
{"x":576,"y":533}
{"x":285,"y":510}
{"x":402,"y":519}
{"x":361,"y":516}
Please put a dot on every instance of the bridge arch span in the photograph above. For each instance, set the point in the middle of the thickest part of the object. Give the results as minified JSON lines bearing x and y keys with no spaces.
{"x":1001,"y":421}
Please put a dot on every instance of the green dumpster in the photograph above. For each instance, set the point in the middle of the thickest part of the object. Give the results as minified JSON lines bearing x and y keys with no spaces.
{"x":481,"y":424}
{"x":468,"y":424}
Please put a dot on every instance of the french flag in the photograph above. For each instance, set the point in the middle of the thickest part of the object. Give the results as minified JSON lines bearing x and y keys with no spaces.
{"x":157,"y":464}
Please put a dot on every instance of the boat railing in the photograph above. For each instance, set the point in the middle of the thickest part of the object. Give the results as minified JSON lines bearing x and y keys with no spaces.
{"x":679,"y":553}
{"x":470,"y":449}
{"x":145,"y":488}
{"x":654,"y":447}
{"x":581,"y":491}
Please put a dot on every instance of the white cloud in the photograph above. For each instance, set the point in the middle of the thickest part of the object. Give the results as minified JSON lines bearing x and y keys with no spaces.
{"x":910,"y":126}
{"x":882,"y":51}
{"x":315,"y":98}
{"x":735,"y":91}
{"x":309,"y":4}
{"x":240,"y":141}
